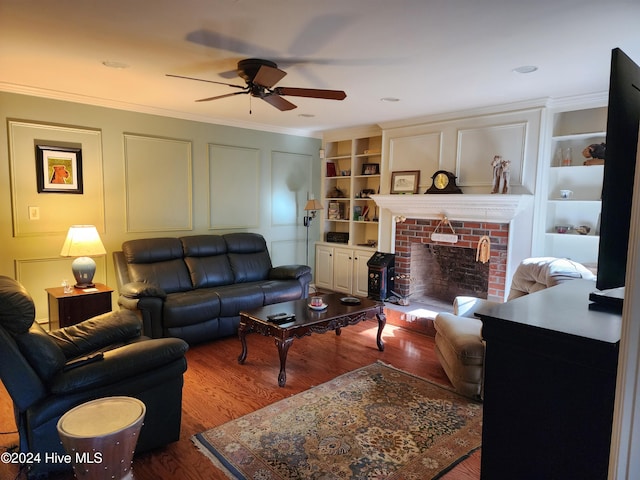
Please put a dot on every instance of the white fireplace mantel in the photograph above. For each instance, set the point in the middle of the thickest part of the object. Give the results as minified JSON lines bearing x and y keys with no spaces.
{"x":496,"y":208}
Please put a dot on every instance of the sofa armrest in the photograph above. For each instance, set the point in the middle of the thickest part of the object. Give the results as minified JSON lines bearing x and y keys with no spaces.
{"x":142,"y":289}
{"x":97,"y":332}
{"x":120,"y":364}
{"x":288,"y":272}
{"x":467,"y":306}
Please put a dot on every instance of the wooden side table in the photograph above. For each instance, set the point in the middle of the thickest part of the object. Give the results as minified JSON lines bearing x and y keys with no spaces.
{"x":67,"y":309}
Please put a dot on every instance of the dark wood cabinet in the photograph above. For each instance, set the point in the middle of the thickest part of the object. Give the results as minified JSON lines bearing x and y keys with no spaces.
{"x":67,"y":309}
{"x":550,"y":376}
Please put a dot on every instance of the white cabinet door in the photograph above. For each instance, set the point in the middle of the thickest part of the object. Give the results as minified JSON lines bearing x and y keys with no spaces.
{"x":361,"y":272}
{"x":324,"y":267}
{"x":342,"y":270}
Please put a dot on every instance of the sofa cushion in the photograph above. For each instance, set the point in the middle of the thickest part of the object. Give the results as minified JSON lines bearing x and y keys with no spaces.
{"x":237,"y":297}
{"x":157,"y":261}
{"x":206,"y":259}
{"x":248,"y":256}
{"x":250,"y":267}
{"x":189,"y":308}
{"x":276,"y":291}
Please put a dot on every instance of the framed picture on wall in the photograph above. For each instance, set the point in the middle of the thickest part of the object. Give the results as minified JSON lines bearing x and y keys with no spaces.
{"x":58,"y":169}
{"x":405,"y":181}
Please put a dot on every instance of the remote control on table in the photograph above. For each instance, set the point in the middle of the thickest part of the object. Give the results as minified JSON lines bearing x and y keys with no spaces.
{"x":281,"y":317}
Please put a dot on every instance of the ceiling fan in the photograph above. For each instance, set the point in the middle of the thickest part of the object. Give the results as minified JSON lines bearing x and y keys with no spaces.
{"x":260,"y":77}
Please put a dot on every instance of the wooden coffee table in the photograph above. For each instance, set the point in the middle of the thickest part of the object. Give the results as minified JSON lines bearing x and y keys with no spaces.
{"x":307,"y":321}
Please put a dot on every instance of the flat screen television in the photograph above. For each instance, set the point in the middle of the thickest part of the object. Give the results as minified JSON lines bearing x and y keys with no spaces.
{"x":623,"y":115}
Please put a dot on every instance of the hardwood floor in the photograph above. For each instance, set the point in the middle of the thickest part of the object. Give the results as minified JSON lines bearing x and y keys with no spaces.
{"x":217,"y":389}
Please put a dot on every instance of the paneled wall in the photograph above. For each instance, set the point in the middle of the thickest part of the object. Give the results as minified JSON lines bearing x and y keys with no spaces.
{"x":143,"y":176}
{"x":465,"y":146}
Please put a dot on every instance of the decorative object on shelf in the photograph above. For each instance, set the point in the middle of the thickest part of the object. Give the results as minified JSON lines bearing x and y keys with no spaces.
{"x":405,"y":181}
{"x":501,"y":175}
{"x":357,"y":212}
{"x":443,"y":182}
{"x":567,"y":156}
{"x":331,"y":169}
{"x":366,"y":192}
{"x":566,"y":194}
{"x":583,"y":229}
{"x":335,"y":211}
{"x":336,"y":193}
{"x":311,"y":208}
{"x":563,"y":228}
{"x":370,"y":169}
{"x":83,"y":242}
{"x":58,"y":169}
{"x":595,"y":154}
{"x":338,"y":237}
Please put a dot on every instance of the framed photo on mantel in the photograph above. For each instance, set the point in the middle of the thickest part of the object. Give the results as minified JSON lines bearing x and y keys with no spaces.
{"x":406,"y":181}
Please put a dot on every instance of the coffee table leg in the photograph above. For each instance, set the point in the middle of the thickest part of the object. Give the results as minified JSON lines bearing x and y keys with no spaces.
{"x":283,"y":347}
{"x":242,"y":334}
{"x":382,"y":321}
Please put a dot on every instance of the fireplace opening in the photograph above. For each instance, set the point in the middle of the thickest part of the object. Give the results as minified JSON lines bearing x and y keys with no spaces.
{"x":441,"y":272}
{"x":432,"y":272}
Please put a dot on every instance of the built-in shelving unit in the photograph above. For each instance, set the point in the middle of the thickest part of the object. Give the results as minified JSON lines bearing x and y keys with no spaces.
{"x":574,"y":130}
{"x":350,"y":174}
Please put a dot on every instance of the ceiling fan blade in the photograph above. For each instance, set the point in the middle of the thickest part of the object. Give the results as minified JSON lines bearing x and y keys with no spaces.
{"x":220,"y":96}
{"x":311,"y":93}
{"x":278,"y":102}
{"x":208,"y":81}
{"x":268,"y":76}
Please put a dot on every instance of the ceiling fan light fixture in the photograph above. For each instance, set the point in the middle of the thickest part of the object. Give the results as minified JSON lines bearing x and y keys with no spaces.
{"x":525,"y":69}
{"x":306,"y":115}
{"x":389,"y":99}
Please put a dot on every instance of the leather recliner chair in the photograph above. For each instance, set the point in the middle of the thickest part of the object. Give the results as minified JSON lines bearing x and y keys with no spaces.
{"x":48,"y":373}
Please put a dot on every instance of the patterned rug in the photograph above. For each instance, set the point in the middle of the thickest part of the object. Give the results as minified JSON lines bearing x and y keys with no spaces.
{"x":376,"y":422}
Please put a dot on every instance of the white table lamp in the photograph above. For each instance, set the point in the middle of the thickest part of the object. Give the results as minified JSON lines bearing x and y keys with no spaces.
{"x":83,"y":242}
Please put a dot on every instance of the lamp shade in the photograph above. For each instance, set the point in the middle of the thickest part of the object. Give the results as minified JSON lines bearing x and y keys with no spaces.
{"x":82,"y":241}
{"x":313,"y":204}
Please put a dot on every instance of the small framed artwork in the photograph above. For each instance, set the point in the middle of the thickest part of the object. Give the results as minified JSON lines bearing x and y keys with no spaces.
{"x":58,"y":169}
{"x":405,"y":181}
{"x":370,"y":169}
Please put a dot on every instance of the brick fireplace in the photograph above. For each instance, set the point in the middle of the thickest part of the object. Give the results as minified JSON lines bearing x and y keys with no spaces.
{"x":439,"y":270}
{"x":412,"y":219}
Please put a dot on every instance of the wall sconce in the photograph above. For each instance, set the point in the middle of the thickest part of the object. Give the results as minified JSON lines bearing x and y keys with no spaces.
{"x":83,"y":242}
{"x":311,"y":208}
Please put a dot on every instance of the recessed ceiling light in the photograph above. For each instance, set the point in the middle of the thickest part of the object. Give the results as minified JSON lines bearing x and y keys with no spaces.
{"x":525,"y":69}
{"x":114,"y":64}
{"x":306,"y":115}
{"x":389,"y":99}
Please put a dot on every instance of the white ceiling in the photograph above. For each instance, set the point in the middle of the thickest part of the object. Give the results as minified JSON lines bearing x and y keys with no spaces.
{"x":436,"y":56}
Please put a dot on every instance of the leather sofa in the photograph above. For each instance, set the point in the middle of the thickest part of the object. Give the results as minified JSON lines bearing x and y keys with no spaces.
{"x":194,"y":287}
{"x":458,"y":341}
{"x":48,"y":373}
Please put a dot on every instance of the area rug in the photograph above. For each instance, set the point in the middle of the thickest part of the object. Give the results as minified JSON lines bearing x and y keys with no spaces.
{"x":376,"y":422}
